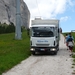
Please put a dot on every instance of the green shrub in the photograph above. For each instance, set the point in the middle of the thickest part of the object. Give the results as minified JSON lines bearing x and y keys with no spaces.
{"x":4,"y":28}
{"x":10,"y":29}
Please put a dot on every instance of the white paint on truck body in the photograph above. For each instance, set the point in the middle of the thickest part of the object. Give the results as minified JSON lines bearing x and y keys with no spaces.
{"x":43,"y":42}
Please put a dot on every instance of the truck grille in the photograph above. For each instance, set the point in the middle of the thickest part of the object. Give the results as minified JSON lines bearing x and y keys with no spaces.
{"x":42,"y":45}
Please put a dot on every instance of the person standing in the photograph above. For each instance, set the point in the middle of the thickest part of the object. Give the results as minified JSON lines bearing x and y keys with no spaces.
{"x":65,"y":41}
{"x":60,"y":30}
{"x":70,"y":41}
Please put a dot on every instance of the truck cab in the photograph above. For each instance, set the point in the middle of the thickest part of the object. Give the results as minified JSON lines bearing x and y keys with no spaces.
{"x":44,"y":37}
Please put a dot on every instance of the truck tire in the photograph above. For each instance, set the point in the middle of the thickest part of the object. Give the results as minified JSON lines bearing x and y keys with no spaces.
{"x":33,"y":53}
{"x":55,"y":53}
{"x":58,"y":48}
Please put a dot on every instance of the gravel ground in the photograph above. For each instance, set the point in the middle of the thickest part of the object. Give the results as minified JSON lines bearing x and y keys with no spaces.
{"x":59,"y":64}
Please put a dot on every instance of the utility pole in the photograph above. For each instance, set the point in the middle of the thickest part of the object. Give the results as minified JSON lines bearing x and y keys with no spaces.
{"x":18,"y":21}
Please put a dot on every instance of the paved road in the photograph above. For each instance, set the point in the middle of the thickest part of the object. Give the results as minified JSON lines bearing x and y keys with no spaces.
{"x":59,"y":64}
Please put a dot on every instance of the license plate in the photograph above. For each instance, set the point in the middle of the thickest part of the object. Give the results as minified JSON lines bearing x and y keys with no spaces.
{"x":42,"y":49}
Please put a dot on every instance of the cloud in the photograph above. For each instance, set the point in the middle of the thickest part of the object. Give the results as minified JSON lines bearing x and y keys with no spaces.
{"x":71,"y":2}
{"x":48,"y":9}
{"x":64,"y":18}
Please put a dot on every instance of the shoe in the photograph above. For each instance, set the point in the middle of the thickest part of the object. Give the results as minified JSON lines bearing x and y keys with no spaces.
{"x":71,"y":54}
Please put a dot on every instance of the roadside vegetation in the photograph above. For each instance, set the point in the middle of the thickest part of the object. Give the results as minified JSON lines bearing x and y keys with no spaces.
{"x":74,"y":52}
{"x":12,"y":51}
{"x":5,"y":28}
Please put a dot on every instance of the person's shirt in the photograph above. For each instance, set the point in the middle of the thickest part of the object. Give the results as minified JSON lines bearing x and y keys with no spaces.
{"x":69,"y":38}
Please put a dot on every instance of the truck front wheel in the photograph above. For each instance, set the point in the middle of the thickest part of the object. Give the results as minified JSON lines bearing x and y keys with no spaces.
{"x":55,"y":53}
{"x":33,"y":53}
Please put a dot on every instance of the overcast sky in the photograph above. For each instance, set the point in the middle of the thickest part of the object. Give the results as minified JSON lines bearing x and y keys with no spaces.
{"x":63,"y":10}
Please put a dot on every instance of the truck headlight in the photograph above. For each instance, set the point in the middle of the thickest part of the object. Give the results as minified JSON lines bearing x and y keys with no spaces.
{"x":32,"y":49}
{"x":52,"y":49}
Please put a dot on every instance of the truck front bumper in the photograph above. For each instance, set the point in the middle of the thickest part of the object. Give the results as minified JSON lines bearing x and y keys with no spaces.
{"x":43,"y":49}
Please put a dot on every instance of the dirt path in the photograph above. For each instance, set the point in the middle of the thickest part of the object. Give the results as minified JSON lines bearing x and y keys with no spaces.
{"x":59,"y":64}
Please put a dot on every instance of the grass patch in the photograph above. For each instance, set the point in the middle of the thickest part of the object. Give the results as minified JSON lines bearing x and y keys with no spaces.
{"x":13,"y":51}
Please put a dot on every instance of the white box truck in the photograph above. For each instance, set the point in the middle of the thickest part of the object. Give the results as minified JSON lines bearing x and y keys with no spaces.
{"x":44,"y":36}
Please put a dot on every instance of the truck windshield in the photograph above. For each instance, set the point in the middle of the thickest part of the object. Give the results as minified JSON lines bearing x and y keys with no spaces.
{"x":42,"y":32}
